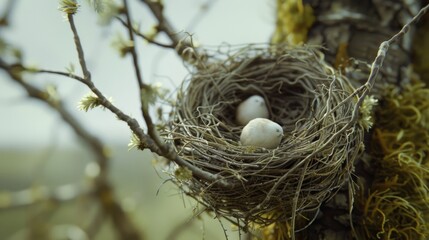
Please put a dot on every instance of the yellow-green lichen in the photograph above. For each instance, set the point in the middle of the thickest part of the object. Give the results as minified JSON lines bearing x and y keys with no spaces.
{"x":294,"y":19}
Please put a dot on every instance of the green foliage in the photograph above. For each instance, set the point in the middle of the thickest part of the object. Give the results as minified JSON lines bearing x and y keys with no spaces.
{"x":396,"y":205}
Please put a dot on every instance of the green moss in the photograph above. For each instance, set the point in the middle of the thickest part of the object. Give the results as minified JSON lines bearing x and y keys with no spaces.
{"x":396,"y":205}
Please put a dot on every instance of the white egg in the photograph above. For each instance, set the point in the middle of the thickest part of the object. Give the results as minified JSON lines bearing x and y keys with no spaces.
{"x":251,"y":108}
{"x":261,"y":132}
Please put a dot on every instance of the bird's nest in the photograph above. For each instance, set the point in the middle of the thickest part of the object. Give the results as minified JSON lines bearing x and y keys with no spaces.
{"x":310,"y":100}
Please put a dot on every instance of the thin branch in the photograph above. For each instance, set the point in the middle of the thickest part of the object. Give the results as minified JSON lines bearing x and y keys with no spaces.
{"x":65,"y":74}
{"x":146,"y":141}
{"x":132,"y":123}
{"x":161,"y":148}
{"x":163,"y":24}
{"x":94,"y":143}
{"x":144,"y":89}
{"x":378,"y":62}
{"x":127,"y":13}
{"x":144,"y":106}
{"x":103,"y":190}
{"x":138,"y":33}
{"x":79,"y":48}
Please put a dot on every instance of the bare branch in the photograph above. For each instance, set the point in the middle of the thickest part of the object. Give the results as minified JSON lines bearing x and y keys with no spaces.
{"x":65,"y":74}
{"x":159,"y":146}
{"x":103,"y":191}
{"x":144,"y":37}
{"x":132,"y":123}
{"x":127,"y":13}
{"x":79,"y":48}
{"x":163,"y":24}
{"x":381,"y":55}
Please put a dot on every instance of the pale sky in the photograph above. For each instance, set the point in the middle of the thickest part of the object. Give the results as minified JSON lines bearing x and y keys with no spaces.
{"x":45,"y":37}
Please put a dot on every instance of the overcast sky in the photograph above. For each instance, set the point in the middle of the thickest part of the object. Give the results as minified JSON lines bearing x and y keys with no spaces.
{"x":45,"y":37}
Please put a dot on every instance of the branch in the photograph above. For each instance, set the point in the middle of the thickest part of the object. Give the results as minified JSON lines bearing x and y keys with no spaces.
{"x":79,"y":48}
{"x":65,"y":74}
{"x":145,"y":89}
{"x":147,"y":142}
{"x":133,"y":49}
{"x":163,"y":24}
{"x":378,"y":61}
{"x":138,"y":33}
{"x":94,"y":144}
{"x":151,"y":141}
{"x":104,"y":192}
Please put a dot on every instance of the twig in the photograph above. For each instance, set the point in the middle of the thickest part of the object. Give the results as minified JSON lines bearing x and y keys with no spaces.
{"x":132,"y":123}
{"x":144,"y":88}
{"x":94,"y":144}
{"x":79,"y":48}
{"x":65,"y":74}
{"x":151,"y":140}
{"x":144,"y":106}
{"x":163,"y":24}
{"x":146,"y":141}
{"x":138,"y":33}
{"x":127,"y":13}
{"x":378,"y":62}
{"x":103,"y":190}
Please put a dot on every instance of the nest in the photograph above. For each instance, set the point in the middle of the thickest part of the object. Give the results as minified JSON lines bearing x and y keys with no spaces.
{"x":313,"y":104}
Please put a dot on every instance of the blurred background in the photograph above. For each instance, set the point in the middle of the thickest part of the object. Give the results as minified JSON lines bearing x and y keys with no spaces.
{"x":41,"y":155}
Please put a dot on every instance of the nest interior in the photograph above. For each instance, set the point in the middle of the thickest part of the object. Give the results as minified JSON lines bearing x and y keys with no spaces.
{"x":305,"y":96}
